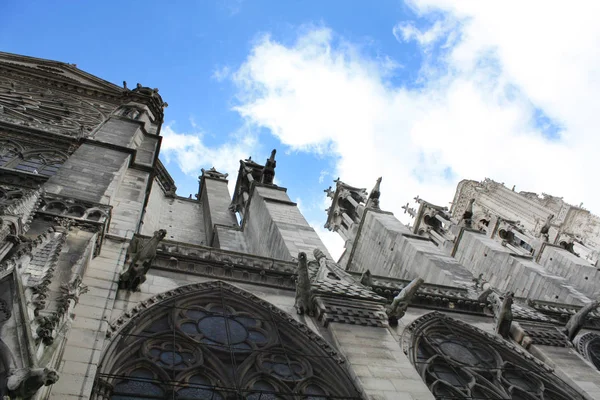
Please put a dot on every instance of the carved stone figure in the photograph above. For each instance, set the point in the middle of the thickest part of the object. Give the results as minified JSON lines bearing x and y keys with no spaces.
{"x":303,"y":301}
{"x":502,"y":308}
{"x":373,"y":200}
{"x":577,"y":321}
{"x":139,"y":259}
{"x":399,"y":305}
{"x":545,"y":230}
{"x":468,"y":214}
{"x":483,"y":287}
{"x":366,"y":279}
{"x":213,"y":173}
{"x":268,"y":173}
{"x":23,"y":383}
{"x":505,"y":317}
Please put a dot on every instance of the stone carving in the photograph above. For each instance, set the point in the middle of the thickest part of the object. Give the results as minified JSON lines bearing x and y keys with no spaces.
{"x":409,"y":210}
{"x":330,"y":192}
{"x":502,"y":308}
{"x":373,"y":201}
{"x":303,"y":301}
{"x":213,"y":173}
{"x":577,"y":321}
{"x":397,"y":309}
{"x":483,"y":287}
{"x":45,"y":329}
{"x":366,"y":279}
{"x":545,"y":230}
{"x":468,"y":214}
{"x":23,"y":383}
{"x":268,"y":173}
{"x":139,"y":259}
{"x":51,"y":111}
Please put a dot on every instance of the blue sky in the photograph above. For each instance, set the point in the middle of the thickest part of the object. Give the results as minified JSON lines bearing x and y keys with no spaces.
{"x":424,"y":93}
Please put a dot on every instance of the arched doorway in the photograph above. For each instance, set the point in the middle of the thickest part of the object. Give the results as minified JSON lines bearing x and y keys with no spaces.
{"x":216,"y":341}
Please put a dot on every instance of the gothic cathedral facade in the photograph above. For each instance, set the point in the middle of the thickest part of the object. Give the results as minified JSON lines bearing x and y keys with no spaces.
{"x":113,"y":287}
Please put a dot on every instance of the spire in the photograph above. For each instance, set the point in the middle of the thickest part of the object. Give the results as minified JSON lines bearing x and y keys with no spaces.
{"x":408,"y":210}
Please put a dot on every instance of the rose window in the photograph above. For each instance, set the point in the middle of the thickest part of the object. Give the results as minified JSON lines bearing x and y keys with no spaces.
{"x":217,"y":344}
{"x":457,"y":361}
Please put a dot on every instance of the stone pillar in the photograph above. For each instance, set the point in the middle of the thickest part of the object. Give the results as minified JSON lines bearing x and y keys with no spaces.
{"x":215,"y":200}
{"x":274,"y":226}
{"x":114,"y":166}
{"x":379,"y":366}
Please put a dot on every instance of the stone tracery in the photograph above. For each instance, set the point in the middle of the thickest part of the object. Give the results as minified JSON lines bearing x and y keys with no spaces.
{"x":49,"y":110}
{"x":217,"y":342}
{"x":458,"y":361}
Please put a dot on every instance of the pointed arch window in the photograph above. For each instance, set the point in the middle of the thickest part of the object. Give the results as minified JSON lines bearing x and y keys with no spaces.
{"x":458,"y":361}
{"x":215,"y":341}
{"x":9,"y":151}
{"x":42,"y":162}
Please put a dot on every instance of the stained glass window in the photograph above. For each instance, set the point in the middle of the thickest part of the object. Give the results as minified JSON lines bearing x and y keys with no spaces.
{"x":458,"y":361}
{"x":219,"y":344}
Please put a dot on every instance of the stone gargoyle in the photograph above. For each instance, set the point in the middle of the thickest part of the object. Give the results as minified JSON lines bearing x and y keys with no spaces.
{"x":138,"y":260}
{"x":577,"y":320}
{"x":303,"y":301}
{"x":366,"y":279}
{"x":21,"y":383}
{"x":502,"y":308}
{"x":397,"y":309}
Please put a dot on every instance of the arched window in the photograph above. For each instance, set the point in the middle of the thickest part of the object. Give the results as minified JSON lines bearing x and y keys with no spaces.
{"x":216,"y":341}
{"x":458,"y":361}
{"x":9,"y":150}
{"x":588,"y":346}
{"x":41,"y":162}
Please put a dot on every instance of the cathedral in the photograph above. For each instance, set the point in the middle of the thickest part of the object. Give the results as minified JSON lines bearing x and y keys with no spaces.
{"x":113,"y":287}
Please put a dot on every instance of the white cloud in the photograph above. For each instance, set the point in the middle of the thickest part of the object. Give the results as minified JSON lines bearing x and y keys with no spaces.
{"x":473,"y":114}
{"x":322,"y":176}
{"x":191,"y":154}
{"x":406,"y":31}
{"x":221,"y":73}
{"x":331,"y":240}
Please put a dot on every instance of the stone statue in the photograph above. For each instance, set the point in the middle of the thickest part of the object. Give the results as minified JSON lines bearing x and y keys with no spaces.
{"x":268,"y":173}
{"x":399,"y":305}
{"x":373,"y":200}
{"x":468,"y":214}
{"x":330,"y":192}
{"x":23,"y":383}
{"x":366,"y":279}
{"x":303,"y":302}
{"x":577,"y":321}
{"x":483,"y":287}
{"x":502,"y":312}
{"x":139,"y":259}
{"x":545,"y":230}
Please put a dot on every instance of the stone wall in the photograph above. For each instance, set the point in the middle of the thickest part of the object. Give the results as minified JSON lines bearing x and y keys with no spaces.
{"x":182,"y":218}
{"x":388,"y":248}
{"x":89,"y":174}
{"x":274,"y":216}
{"x":482,"y":255}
